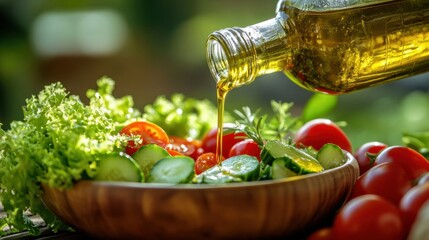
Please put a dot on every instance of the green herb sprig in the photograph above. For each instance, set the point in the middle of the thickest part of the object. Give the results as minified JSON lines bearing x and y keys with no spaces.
{"x":261,"y":128}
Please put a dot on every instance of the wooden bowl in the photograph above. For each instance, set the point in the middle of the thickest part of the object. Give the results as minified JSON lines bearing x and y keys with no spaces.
{"x":272,"y":208}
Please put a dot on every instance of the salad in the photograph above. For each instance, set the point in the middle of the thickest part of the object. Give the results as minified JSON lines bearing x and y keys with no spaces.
{"x":62,"y":141}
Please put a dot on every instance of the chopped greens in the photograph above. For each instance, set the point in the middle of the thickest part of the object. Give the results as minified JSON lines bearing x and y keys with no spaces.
{"x":58,"y":143}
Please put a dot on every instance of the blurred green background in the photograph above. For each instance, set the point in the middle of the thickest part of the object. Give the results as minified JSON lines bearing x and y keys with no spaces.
{"x":153,"y":48}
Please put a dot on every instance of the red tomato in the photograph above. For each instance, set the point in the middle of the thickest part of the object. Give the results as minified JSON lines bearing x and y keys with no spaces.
{"x":368,"y":217}
{"x":247,"y":146}
{"x":321,"y":234}
{"x":228,"y":140}
{"x":148,"y":132}
{"x":410,"y":160}
{"x":205,"y":161}
{"x":187,"y":147}
{"x":318,"y":132}
{"x":387,"y":180}
{"x":424,"y":178}
{"x":174,"y":152}
{"x":411,"y":203}
{"x":365,"y":155}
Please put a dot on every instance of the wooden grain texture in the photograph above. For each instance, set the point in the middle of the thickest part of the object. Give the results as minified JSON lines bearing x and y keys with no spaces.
{"x":251,"y":210}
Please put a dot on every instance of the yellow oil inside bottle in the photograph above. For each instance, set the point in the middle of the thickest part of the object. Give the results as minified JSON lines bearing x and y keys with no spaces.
{"x":345,"y":50}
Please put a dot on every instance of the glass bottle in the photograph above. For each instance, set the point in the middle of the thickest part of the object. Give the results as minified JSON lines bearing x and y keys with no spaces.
{"x":326,"y":46}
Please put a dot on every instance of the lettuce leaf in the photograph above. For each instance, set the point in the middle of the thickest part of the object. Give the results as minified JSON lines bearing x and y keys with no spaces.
{"x":58,"y":142}
{"x":183,"y":117}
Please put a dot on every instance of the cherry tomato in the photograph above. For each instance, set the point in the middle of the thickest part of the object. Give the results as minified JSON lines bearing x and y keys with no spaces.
{"x":424,"y":178}
{"x":205,"y":161}
{"x":247,"y":146}
{"x":410,"y":160}
{"x":388,"y":180}
{"x":365,"y":155}
{"x":321,"y":234}
{"x":148,"y":132}
{"x":368,"y":217}
{"x":173,"y":152}
{"x":187,"y":147}
{"x":411,"y":203}
{"x":228,"y":140}
{"x":318,"y":132}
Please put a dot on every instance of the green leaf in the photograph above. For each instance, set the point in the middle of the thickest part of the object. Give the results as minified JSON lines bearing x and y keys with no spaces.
{"x":56,"y":144}
{"x":418,"y":141}
{"x":318,"y":106}
{"x":182,"y":116}
{"x":261,"y":128}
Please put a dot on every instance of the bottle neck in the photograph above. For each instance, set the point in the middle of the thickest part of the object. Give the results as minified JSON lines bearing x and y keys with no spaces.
{"x":236,"y":56}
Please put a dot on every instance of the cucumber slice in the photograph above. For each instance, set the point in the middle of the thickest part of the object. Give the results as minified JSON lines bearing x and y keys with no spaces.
{"x":242,"y":166}
{"x":296,"y":160}
{"x":177,"y":169}
{"x":331,"y":156}
{"x":234,"y":169}
{"x":119,"y":167}
{"x":215,"y":175}
{"x":279,"y":169}
{"x":148,"y":155}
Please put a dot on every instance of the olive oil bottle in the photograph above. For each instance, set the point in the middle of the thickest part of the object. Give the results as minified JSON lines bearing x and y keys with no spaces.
{"x":328,"y":46}
{"x":333,"y":47}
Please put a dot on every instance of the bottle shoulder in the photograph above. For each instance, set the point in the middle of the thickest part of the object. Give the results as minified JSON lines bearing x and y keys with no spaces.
{"x":324,"y":6}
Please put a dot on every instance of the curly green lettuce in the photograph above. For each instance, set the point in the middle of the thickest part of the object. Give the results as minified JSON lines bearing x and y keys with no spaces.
{"x":57,"y":143}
